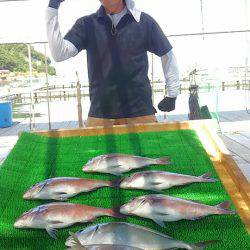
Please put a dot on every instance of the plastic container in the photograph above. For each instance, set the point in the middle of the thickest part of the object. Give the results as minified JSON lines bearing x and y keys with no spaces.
{"x":5,"y":114}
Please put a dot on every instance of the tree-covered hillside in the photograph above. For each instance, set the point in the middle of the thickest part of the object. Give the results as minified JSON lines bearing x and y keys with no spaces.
{"x":15,"y":59}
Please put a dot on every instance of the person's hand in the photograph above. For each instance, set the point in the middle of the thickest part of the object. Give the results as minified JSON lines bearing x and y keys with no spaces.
{"x":55,"y":4}
{"x":167,"y":104}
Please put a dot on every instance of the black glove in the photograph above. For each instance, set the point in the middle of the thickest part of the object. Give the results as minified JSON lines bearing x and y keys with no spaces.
{"x":55,"y":4}
{"x":167,"y":104}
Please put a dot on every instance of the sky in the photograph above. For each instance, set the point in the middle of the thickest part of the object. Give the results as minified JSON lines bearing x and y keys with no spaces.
{"x":25,"y":22}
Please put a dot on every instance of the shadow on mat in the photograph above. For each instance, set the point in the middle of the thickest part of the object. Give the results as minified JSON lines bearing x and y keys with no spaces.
{"x":51,"y":161}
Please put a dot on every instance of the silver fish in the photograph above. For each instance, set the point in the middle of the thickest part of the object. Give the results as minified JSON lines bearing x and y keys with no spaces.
{"x":63,"y":188}
{"x":117,"y":164}
{"x":60,"y":215}
{"x":159,"y":180}
{"x":78,"y":246}
{"x":162,"y":208}
{"x":120,"y":233}
{"x":104,"y":247}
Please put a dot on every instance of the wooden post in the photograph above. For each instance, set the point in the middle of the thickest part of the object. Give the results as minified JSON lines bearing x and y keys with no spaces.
{"x":79,"y":101}
{"x":223,"y":86}
{"x":35,"y":97}
{"x":238,"y":85}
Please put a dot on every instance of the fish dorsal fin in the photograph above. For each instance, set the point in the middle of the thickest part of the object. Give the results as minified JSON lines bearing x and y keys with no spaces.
{"x":39,"y":209}
{"x":150,"y":230}
{"x":195,"y":201}
{"x":224,"y":205}
{"x":207,"y":175}
{"x":109,"y":156}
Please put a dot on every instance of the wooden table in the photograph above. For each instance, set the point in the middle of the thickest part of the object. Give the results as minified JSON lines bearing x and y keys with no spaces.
{"x":232,"y":178}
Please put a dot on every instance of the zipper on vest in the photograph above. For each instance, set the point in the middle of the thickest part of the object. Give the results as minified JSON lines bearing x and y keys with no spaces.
{"x":113,"y":28}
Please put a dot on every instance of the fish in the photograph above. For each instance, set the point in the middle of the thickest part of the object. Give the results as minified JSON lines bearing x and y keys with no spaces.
{"x":57,"y":215}
{"x":117,"y":164}
{"x":161,"y":208}
{"x":122,"y":233}
{"x":160,"y":180}
{"x":78,"y":246}
{"x":62,"y":188}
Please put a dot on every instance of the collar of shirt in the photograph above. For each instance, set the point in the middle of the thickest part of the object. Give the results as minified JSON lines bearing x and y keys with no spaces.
{"x":115,"y":18}
{"x":131,"y":6}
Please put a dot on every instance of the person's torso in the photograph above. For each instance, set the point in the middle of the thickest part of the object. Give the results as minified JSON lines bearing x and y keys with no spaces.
{"x":118,"y":67}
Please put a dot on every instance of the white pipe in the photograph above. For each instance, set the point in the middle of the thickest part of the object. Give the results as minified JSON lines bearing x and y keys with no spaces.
{"x":32,"y":105}
{"x":47,"y":84}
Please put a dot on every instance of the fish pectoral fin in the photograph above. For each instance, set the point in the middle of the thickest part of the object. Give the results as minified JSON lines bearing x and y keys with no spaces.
{"x":197,"y":218}
{"x":61,"y":196}
{"x":52,"y":232}
{"x":155,"y":183}
{"x":56,"y":222}
{"x":115,"y":170}
{"x":114,"y":167}
{"x":76,"y":242}
{"x":60,"y":193}
{"x":159,"y":222}
{"x":161,"y":214}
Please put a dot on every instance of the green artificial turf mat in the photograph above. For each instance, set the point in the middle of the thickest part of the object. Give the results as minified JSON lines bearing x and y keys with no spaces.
{"x":35,"y":158}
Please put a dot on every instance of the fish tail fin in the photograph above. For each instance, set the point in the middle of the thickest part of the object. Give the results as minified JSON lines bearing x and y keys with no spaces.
{"x":115,"y":212}
{"x":76,"y":244}
{"x":162,"y":161}
{"x":225,"y":207}
{"x":207,"y":177}
{"x":204,"y":244}
{"x":115,"y":183}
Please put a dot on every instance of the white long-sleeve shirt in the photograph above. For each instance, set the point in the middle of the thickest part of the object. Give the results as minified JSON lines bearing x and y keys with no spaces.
{"x":62,"y":49}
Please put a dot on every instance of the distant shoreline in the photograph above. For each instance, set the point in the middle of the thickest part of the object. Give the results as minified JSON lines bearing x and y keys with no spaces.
{"x":5,"y":81}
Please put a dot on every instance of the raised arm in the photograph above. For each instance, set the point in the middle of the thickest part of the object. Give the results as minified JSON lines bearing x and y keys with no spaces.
{"x":61,"y":49}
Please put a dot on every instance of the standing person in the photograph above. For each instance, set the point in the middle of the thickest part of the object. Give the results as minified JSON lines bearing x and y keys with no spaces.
{"x":117,"y":38}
